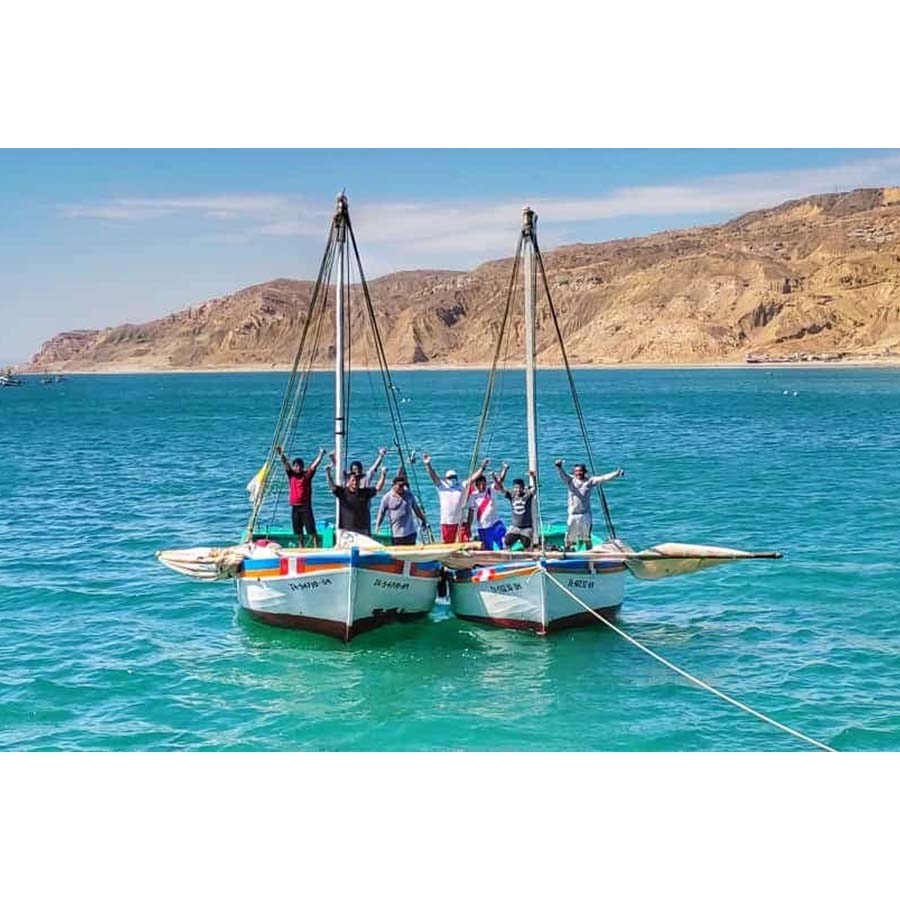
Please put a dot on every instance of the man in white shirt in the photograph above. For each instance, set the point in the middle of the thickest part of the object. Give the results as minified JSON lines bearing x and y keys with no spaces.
{"x":580,"y":485}
{"x":452,"y":495}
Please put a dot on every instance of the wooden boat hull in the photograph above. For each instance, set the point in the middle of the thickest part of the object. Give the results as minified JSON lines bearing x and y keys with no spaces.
{"x":341,"y":594}
{"x":518,"y":594}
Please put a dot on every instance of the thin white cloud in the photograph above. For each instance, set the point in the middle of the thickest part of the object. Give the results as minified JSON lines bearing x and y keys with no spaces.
{"x":252,"y":206}
{"x":456,"y":230}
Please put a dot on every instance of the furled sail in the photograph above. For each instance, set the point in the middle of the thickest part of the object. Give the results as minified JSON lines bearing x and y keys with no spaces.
{"x":205,"y":563}
{"x":221,"y":563}
{"x":667,"y":560}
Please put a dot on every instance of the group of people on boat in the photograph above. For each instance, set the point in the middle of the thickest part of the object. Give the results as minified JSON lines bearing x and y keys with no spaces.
{"x":399,"y":507}
{"x":463,"y":503}
{"x":476,"y":501}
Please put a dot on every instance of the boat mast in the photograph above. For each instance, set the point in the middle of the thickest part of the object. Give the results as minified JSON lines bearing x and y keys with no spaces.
{"x":529,"y":220}
{"x":340,"y":226}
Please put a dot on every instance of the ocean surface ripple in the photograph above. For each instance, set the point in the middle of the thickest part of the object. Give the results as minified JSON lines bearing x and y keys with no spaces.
{"x":101,"y":648}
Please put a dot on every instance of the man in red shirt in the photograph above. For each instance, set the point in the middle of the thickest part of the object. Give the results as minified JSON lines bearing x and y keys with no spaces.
{"x":300,"y":481}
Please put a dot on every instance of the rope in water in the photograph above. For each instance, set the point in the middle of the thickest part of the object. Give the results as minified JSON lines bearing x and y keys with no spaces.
{"x":692,"y":678}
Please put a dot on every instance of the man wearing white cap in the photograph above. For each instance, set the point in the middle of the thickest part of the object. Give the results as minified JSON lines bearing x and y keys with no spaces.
{"x":452,"y":494}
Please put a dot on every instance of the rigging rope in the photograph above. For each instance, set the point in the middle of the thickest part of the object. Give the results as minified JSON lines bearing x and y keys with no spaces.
{"x":348,"y":350}
{"x":492,"y":376}
{"x":293,"y":417}
{"x":610,"y":527}
{"x":277,"y":437}
{"x":684,"y":674}
{"x":499,"y":402}
{"x":401,"y":441}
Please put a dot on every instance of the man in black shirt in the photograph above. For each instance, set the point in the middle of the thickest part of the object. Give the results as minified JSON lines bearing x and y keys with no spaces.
{"x":354,"y":502}
{"x":521,"y":527}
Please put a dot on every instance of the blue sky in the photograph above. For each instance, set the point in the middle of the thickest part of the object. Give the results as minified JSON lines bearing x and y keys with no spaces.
{"x":93,"y":238}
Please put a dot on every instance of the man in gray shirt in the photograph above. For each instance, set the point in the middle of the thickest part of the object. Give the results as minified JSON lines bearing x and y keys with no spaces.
{"x":580,"y":485}
{"x":521,"y":528}
{"x":401,"y":508}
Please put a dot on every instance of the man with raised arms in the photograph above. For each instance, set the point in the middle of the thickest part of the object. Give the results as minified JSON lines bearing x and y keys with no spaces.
{"x":356,"y":468}
{"x":580,"y":485}
{"x":300,"y":495}
{"x":483,"y":508}
{"x":521,"y":526}
{"x":452,"y":495}
{"x":354,"y":501}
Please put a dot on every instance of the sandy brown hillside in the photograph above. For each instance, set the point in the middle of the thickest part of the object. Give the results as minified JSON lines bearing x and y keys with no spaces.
{"x":818,"y":275}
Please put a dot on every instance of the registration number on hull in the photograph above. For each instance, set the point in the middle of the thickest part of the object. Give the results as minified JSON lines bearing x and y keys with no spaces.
{"x":506,"y":588}
{"x":584,"y":583}
{"x":386,"y":584}
{"x":310,"y":585}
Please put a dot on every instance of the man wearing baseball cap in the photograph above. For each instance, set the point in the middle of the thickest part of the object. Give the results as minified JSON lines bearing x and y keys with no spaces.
{"x":452,"y":494}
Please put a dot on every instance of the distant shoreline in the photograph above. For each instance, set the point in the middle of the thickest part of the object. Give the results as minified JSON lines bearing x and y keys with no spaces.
{"x":424,"y":367}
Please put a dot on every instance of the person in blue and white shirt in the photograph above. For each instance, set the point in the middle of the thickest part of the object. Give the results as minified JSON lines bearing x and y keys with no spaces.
{"x":483,"y":507}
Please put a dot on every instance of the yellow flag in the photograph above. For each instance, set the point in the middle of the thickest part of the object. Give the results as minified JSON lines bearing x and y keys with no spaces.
{"x":257,"y":483}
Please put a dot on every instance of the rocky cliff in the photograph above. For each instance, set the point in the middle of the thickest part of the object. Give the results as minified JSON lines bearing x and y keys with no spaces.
{"x":814,"y":276}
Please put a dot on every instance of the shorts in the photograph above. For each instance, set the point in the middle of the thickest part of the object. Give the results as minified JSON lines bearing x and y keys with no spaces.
{"x":524,"y":536}
{"x":404,"y":540}
{"x":302,"y":519}
{"x":450,"y":534}
{"x":579,"y":528}
{"x":492,"y":538}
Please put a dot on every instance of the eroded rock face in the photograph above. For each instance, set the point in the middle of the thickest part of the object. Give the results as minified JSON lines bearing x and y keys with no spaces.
{"x":818,"y":275}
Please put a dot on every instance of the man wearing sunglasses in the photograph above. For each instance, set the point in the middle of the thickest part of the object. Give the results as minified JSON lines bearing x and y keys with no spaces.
{"x":452,"y":494}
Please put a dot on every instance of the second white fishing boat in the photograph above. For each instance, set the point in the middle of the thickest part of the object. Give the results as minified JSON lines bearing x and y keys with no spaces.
{"x":549,"y":587}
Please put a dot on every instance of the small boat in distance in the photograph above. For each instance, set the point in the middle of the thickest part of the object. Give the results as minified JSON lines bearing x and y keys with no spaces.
{"x":7,"y":379}
{"x":550,"y":586}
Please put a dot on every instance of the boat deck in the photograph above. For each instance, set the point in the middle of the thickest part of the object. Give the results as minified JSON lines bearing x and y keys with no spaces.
{"x":554,"y":537}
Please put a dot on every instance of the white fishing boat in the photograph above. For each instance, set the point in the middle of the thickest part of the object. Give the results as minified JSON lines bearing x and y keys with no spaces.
{"x":353,"y":583}
{"x":549,"y":587}
{"x":342,"y":592}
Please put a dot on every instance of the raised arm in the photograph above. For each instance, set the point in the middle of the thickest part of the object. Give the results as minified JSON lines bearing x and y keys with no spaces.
{"x":284,"y":460}
{"x":609,"y":476}
{"x":381,"y":478}
{"x":563,"y":474}
{"x":382,"y":452}
{"x":317,"y":461}
{"x":532,"y":482}
{"x":329,"y":478}
{"x":479,"y":472}
{"x":426,"y":458}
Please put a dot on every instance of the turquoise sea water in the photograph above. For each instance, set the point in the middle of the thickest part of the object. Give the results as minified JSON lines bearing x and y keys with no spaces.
{"x":102,"y":648}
